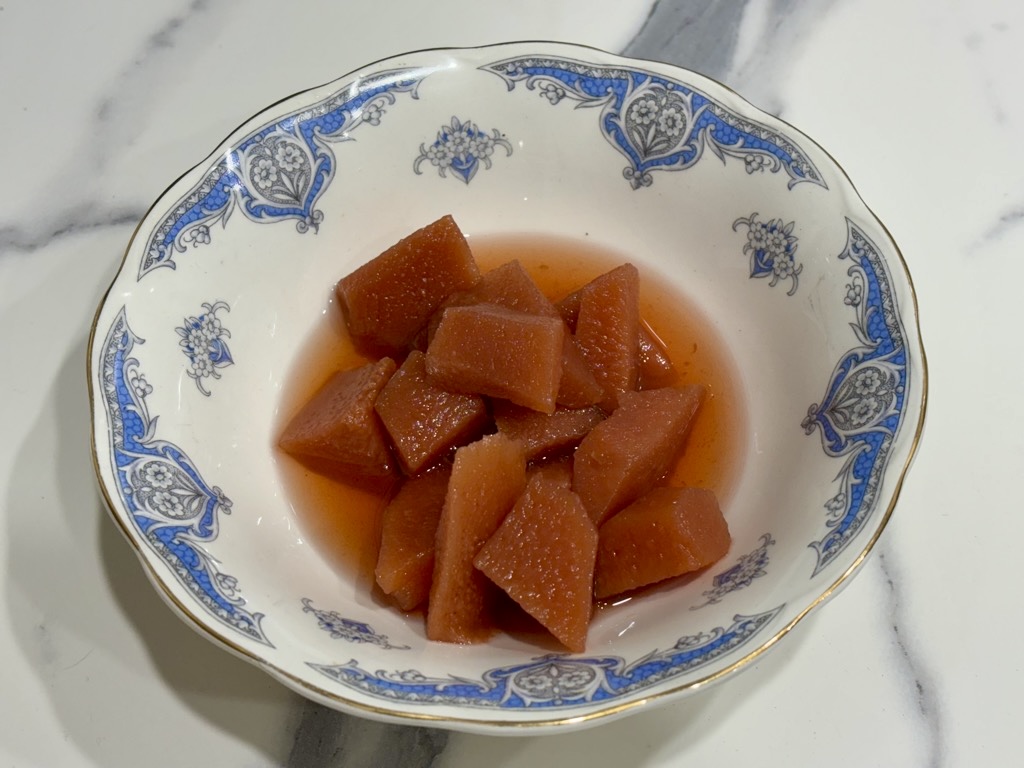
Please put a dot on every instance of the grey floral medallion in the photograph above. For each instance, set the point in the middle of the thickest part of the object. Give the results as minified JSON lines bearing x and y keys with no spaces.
{"x":750,"y":566}
{"x":462,"y":148}
{"x":341,"y":628}
{"x":771,"y":247}
{"x":203,"y":342}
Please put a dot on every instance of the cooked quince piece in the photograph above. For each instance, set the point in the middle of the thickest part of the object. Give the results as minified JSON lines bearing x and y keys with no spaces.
{"x":666,"y":532}
{"x":490,"y":350}
{"x":425,"y":421}
{"x":627,"y":453}
{"x":338,"y":425}
{"x":545,"y":435}
{"x":405,"y":561}
{"x":543,"y":557}
{"x":608,"y":330}
{"x":487,"y":478}
{"x":387,"y":301}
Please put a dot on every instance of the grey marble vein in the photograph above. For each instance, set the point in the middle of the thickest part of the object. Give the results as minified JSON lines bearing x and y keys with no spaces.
{"x":83,"y":218}
{"x":154,"y":61}
{"x":1004,"y":223}
{"x":704,"y":35}
{"x":120,"y":116}
{"x":911,"y":665}
{"x":1008,"y":219}
{"x":978,"y":39}
{"x":785,"y":25}
{"x":324,"y":738}
{"x":696,"y":34}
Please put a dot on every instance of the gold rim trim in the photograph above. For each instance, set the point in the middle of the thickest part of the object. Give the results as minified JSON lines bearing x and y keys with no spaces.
{"x":337,"y":701}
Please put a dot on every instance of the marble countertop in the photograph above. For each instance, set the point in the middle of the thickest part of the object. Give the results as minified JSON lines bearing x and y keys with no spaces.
{"x":105,"y":103}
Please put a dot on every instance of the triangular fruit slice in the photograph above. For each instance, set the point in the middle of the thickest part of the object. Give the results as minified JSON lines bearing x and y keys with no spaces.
{"x":665,"y":533}
{"x":627,"y":453}
{"x":390,"y":298}
{"x":490,"y":350}
{"x":655,"y":368}
{"x":338,"y":424}
{"x":579,"y":386}
{"x":425,"y":421}
{"x":405,"y":562}
{"x":487,"y":478}
{"x":545,"y":435}
{"x":608,"y":328}
{"x":543,"y":557}
{"x":509,"y":286}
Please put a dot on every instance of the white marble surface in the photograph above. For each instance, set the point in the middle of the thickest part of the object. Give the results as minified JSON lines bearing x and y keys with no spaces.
{"x":916,"y":663}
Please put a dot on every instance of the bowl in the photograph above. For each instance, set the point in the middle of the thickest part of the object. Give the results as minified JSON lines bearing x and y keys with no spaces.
{"x":229,"y":275}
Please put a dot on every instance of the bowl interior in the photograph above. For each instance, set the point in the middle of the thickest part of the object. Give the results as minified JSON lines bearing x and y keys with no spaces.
{"x":229,"y":278}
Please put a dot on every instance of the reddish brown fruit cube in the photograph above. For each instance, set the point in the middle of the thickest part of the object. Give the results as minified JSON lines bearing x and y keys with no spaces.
{"x":655,"y":368}
{"x":608,"y":329}
{"x":339,"y":425}
{"x":405,"y":561}
{"x":543,"y":557}
{"x":423,"y":420}
{"x":569,"y":309}
{"x":489,"y":350}
{"x":509,"y":286}
{"x":579,"y":386}
{"x":389,"y":299}
{"x":545,"y":435}
{"x":487,"y":478}
{"x":665,"y":533}
{"x":632,"y":449}
{"x":557,"y":470}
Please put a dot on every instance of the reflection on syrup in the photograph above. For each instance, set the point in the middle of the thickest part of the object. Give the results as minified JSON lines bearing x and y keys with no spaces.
{"x":343,"y":523}
{"x":613,"y":605}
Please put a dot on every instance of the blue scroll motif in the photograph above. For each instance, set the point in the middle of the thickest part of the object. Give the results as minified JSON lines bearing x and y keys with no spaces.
{"x":279,"y":171}
{"x":862,"y":410}
{"x":554,"y":681}
{"x":342,"y":628}
{"x":169,"y":504}
{"x":656,"y":122}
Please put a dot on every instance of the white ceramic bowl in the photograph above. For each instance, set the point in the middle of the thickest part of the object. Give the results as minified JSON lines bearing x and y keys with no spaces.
{"x":231,"y":269}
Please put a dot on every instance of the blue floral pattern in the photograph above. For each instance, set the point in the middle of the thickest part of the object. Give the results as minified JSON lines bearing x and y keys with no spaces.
{"x":750,"y":566}
{"x":169,"y":504}
{"x":862,"y":410}
{"x":656,"y":122}
{"x":771,"y":246}
{"x":341,"y":628}
{"x":278,"y":172}
{"x":461,"y":147}
{"x":554,"y":681}
{"x":203,"y":343}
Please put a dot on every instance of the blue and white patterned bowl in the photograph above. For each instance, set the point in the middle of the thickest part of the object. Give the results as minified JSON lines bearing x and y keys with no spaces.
{"x":219,"y":289}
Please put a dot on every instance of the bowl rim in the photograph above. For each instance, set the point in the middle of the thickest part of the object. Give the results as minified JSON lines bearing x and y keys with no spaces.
{"x":910,"y":314}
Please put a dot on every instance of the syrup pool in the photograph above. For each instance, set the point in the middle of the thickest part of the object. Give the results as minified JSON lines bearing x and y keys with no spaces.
{"x":343,"y":522}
